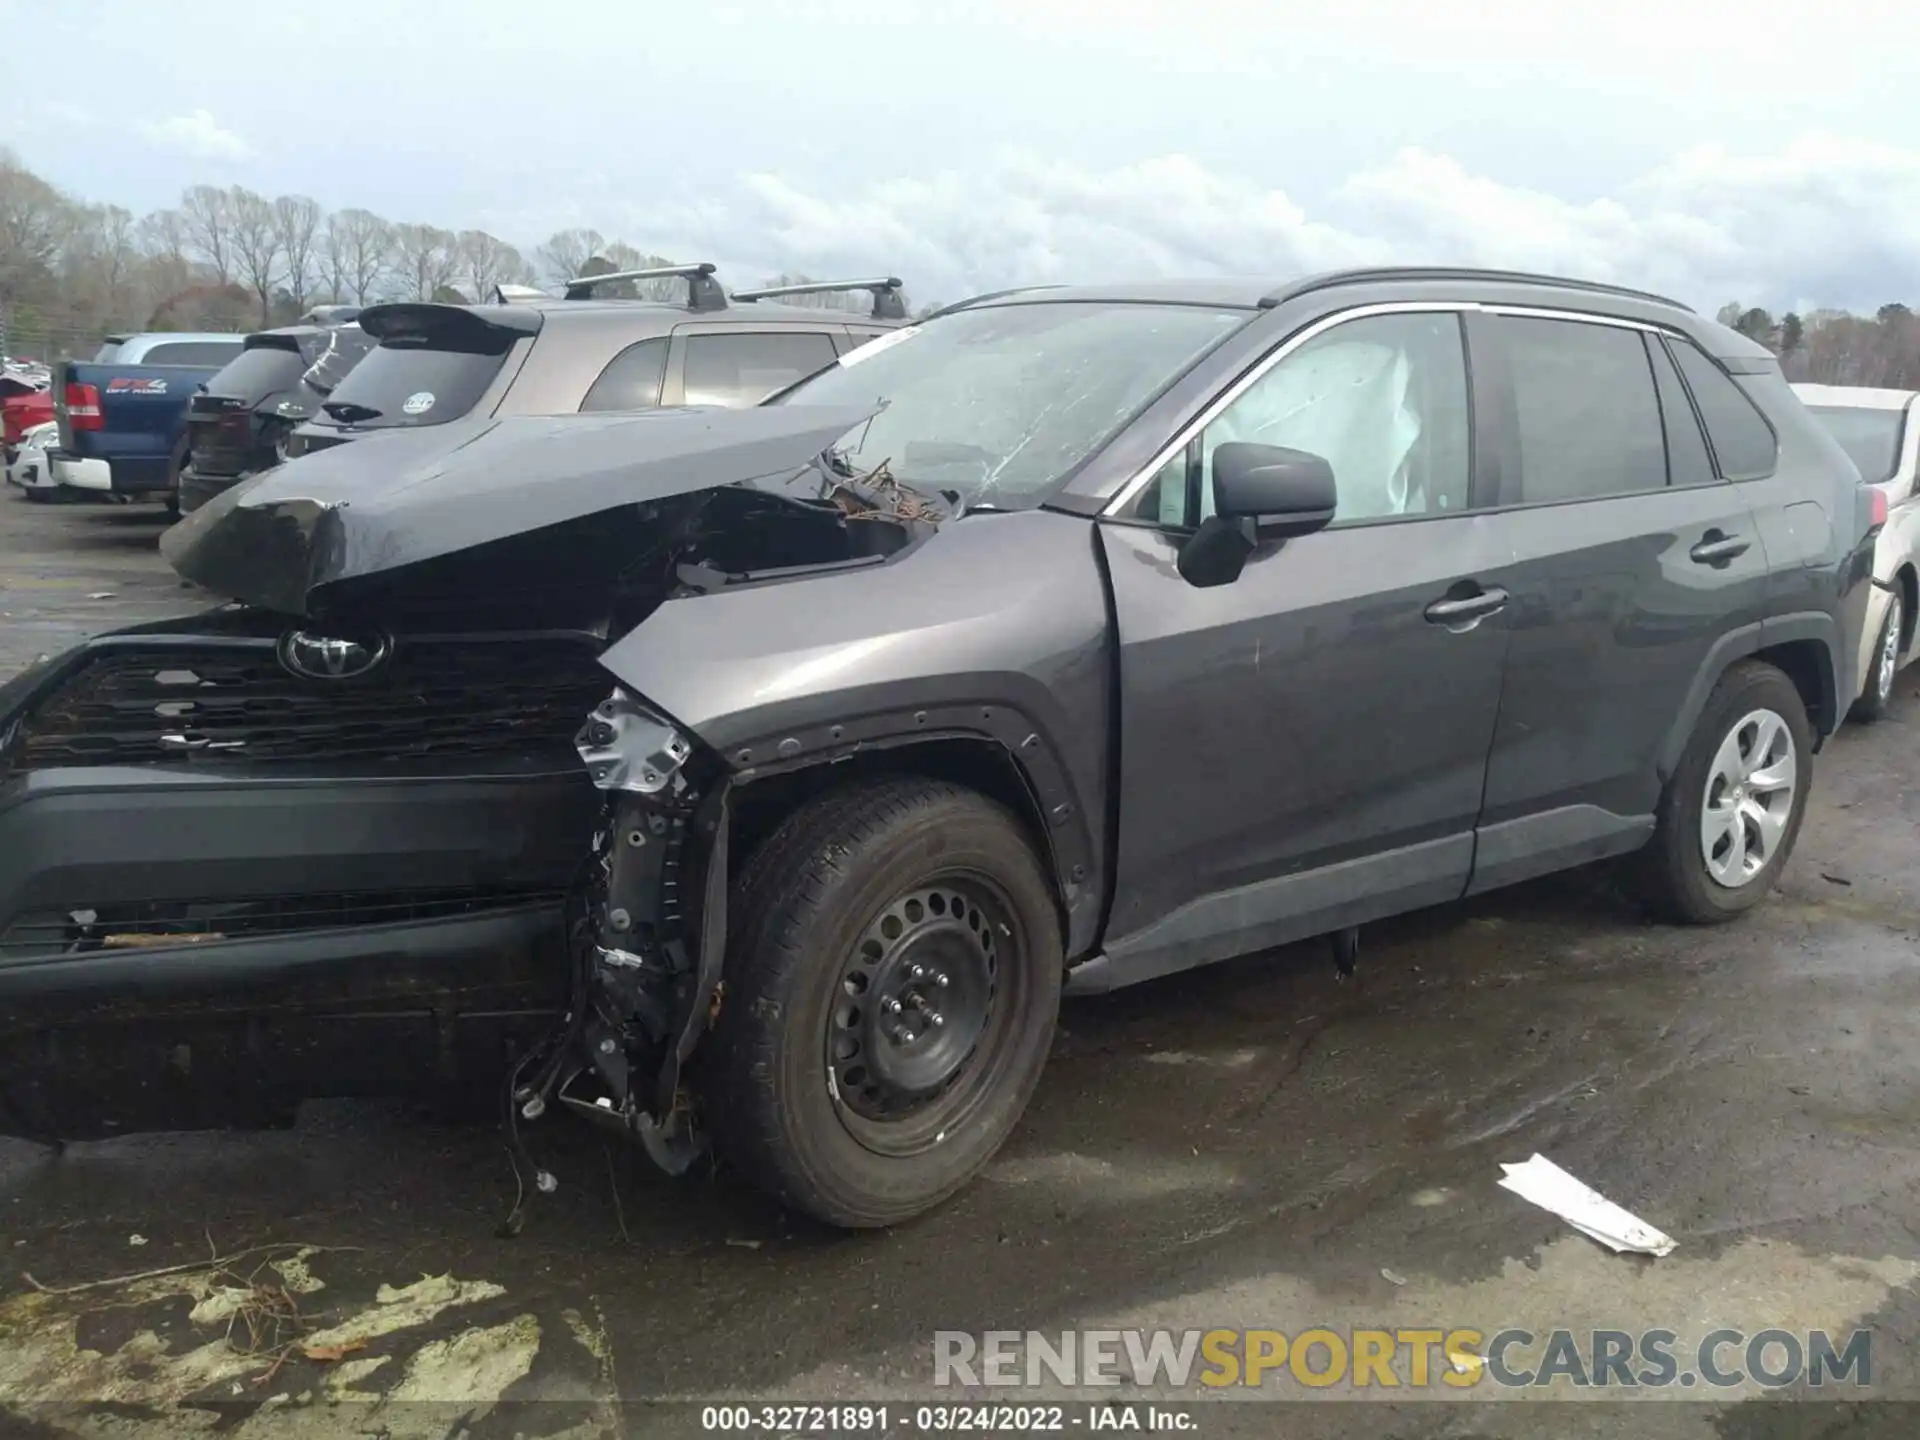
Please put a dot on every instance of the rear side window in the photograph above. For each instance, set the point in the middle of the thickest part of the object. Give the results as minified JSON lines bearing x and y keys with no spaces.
{"x":745,"y":368}
{"x":1688,"y":462}
{"x":190,"y":352}
{"x":1871,"y":438}
{"x":418,"y":381}
{"x":632,"y":378}
{"x":1589,"y":421}
{"x":1742,"y":440}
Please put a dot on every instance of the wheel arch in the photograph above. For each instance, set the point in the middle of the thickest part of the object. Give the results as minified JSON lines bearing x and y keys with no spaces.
{"x":1804,"y":647}
{"x":1023,"y":776}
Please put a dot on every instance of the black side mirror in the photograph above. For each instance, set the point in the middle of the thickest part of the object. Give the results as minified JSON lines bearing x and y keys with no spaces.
{"x":1284,"y":492}
{"x":1260,"y":492}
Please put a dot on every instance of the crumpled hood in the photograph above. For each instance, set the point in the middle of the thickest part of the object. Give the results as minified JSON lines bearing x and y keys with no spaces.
{"x":396,"y":498}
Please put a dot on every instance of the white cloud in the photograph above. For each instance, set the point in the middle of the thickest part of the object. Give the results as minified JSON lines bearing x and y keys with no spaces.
{"x":1828,"y":218}
{"x":197,"y":134}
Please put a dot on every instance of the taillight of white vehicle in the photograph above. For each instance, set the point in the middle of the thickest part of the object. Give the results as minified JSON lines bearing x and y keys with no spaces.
{"x":83,"y":407}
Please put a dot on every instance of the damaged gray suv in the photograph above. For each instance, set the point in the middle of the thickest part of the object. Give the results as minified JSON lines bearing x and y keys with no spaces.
{"x":761,"y":779}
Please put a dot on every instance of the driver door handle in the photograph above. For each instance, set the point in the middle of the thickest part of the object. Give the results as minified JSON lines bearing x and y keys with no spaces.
{"x":1467,"y":607}
{"x":1717,"y":549}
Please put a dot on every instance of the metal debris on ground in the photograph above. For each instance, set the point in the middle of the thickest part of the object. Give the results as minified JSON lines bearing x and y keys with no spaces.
{"x":1545,"y":1184}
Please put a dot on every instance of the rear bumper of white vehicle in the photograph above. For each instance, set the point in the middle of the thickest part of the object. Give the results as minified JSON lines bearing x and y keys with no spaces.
{"x":73,"y":473}
{"x":29,"y":469}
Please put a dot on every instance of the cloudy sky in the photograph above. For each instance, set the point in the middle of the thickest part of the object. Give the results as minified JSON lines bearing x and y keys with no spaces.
{"x":1761,"y":150}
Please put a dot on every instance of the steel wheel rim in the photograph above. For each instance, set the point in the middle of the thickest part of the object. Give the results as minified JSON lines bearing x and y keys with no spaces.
{"x":899,"y":1079}
{"x":1752,"y":786}
{"x":1889,"y":652}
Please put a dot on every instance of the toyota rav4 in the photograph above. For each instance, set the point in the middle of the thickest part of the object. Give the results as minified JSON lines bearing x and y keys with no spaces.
{"x":762,"y":778}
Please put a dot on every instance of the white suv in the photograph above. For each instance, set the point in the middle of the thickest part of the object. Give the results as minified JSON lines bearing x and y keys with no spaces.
{"x":1878,"y":430}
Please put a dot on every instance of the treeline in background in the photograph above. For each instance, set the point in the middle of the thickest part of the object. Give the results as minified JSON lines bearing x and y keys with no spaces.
{"x":230,"y":259}
{"x":1833,"y":347}
{"x":72,"y":272}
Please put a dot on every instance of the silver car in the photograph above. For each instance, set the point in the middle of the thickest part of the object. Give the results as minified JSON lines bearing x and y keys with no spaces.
{"x":1877,"y":430}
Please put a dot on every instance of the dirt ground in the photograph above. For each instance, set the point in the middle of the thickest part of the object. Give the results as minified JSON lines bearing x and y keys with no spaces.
{"x":1256,"y":1145}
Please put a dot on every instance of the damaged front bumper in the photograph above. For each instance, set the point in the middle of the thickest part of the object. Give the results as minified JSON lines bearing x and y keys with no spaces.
{"x":652,"y":939}
{"x":198,"y":928}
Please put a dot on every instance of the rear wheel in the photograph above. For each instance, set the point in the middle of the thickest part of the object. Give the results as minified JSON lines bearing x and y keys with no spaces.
{"x":892,"y":983}
{"x":1873,"y":702}
{"x":1732,"y":811}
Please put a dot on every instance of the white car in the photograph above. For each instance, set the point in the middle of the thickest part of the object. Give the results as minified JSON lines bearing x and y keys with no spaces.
{"x":29,"y":468}
{"x":1880,"y":430}
{"x":42,"y":470}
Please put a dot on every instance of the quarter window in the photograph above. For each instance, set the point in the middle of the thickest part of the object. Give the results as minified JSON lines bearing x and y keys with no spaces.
{"x":632,"y":378}
{"x":1742,"y":440}
{"x":743,"y":369}
{"x":1584,"y":401}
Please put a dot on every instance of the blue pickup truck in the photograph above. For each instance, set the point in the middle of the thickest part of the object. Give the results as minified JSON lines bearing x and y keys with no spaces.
{"x":126,"y":410}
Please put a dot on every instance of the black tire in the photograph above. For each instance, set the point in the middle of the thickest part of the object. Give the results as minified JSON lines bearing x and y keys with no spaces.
{"x":1671,"y":873}
{"x":782,"y":1091}
{"x":175,"y":465}
{"x":1874,"y":700}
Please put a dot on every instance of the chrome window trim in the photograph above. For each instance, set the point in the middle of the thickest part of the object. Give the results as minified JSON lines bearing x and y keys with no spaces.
{"x":1141,"y":478}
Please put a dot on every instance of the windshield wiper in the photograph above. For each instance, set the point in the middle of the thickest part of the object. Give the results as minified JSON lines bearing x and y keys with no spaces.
{"x":348,"y":413}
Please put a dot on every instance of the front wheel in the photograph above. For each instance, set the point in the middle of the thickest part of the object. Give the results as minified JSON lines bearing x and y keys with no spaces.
{"x":892,"y":982}
{"x":1732,"y":811}
{"x":1873,"y":702}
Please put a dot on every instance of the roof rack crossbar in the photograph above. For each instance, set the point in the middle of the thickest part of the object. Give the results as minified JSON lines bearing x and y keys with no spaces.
{"x":703,"y":291}
{"x":887,"y":301}
{"x":1456,"y":273}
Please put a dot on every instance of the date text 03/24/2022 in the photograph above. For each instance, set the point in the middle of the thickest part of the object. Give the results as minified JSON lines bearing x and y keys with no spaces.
{"x":975,"y":1419}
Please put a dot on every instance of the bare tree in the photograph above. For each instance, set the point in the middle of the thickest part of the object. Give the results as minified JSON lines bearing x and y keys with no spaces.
{"x":425,"y":258}
{"x":206,"y":214}
{"x":619,"y":255}
{"x":34,"y":220}
{"x":355,"y":252}
{"x":566,"y":253}
{"x":163,"y":235}
{"x":296,"y":223}
{"x":485,"y":262}
{"x":256,"y":245}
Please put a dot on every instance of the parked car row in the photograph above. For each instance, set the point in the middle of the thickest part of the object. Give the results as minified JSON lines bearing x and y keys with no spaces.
{"x":757,"y":777}
{"x":182,"y":418}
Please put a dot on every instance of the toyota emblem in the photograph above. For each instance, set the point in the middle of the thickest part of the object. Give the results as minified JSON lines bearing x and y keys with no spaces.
{"x":331,"y":657}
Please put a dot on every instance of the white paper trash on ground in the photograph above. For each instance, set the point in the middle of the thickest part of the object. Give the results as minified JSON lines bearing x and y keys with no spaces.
{"x":1584,"y":1208}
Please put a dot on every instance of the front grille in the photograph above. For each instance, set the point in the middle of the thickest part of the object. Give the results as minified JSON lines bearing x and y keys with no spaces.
{"x":213,"y":704}
{"x":170,"y":923}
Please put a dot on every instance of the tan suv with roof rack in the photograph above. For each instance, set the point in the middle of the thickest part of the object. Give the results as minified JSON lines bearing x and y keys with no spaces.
{"x":586,"y":351}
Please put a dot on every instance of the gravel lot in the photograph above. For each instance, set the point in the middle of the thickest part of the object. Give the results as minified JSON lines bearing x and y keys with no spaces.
{"x":1254,"y":1145}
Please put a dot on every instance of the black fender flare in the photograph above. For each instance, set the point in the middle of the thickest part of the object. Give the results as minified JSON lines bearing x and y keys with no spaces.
{"x":1737,"y":645}
{"x":1066,"y":825}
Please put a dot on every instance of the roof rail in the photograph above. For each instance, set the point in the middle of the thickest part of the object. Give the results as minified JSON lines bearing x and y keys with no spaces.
{"x":887,"y":301}
{"x":703,"y":291}
{"x":1332,"y":278}
{"x":983,"y":298}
